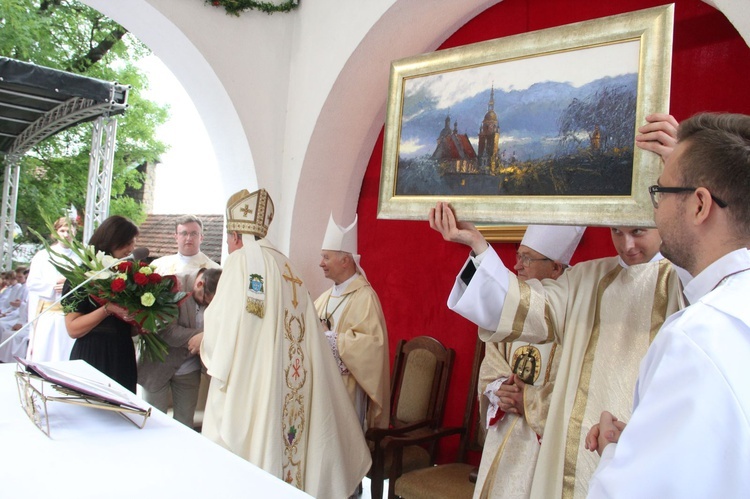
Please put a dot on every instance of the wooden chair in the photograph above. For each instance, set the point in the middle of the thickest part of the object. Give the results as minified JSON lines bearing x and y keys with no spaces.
{"x":451,"y":481}
{"x":419,"y":384}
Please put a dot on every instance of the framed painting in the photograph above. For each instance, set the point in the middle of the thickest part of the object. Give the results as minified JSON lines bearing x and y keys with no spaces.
{"x":537,"y":128}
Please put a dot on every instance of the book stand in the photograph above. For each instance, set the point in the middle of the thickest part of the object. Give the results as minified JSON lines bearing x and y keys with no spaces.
{"x":31,"y":392}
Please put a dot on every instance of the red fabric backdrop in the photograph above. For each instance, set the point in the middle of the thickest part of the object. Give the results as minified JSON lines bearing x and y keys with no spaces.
{"x":410,"y":265}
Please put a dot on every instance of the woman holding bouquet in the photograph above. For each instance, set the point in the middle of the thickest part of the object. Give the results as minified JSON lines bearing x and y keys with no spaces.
{"x":102,"y":337}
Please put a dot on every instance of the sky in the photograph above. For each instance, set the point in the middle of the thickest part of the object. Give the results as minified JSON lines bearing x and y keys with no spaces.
{"x":450,"y":87}
{"x":188,"y":172}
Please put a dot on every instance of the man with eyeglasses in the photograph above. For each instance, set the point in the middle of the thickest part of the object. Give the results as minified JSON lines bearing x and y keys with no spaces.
{"x":689,"y":434}
{"x":604,"y":313}
{"x":512,"y":444}
{"x":188,"y":234}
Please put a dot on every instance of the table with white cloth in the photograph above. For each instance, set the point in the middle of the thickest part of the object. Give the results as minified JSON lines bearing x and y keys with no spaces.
{"x":96,"y":453}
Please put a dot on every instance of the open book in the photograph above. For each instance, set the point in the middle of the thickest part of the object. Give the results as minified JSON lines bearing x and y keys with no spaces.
{"x":110,"y":393}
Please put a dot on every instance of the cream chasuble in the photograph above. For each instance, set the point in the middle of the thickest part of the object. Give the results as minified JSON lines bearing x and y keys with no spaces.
{"x":362,"y":342}
{"x":276,"y":397}
{"x":605,"y":316}
{"x":512,"y":444}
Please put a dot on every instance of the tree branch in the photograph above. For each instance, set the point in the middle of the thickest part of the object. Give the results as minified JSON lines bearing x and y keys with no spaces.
{"x":83,"y":63}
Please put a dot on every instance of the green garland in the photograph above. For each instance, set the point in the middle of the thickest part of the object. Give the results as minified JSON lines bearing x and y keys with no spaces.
{"x":235,"y":7}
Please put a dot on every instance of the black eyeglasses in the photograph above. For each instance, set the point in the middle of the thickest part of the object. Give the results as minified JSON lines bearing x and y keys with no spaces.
{"x":657,"y":190}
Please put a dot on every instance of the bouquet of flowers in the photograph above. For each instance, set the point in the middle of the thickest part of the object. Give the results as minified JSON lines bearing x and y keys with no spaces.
{"x":150,"y":299}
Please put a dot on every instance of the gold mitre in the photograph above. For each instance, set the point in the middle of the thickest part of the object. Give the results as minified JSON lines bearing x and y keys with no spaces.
{"x":250,"y":212}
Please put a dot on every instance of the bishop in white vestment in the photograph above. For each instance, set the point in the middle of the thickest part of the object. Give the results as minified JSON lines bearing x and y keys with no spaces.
{"x":276,"y":397}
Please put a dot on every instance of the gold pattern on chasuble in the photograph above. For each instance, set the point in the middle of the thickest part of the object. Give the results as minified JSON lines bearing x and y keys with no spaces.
{"x":522,"y":311}
{"x":573,"y":435}
{"x":294,"y":281}
{"x":661,"y":298}
{"x":294,"y":418}
{"x":489,"y":482}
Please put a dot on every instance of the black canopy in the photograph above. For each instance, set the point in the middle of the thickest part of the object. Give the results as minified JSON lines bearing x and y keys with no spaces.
{"x":29,"y":93}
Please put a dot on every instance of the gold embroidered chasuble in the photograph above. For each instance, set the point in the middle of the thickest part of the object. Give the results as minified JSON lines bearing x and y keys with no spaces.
{"x":605,"y":316}
{"x":362,"y":340}
{"x":276,"y":397}
{"x":512,"y":445}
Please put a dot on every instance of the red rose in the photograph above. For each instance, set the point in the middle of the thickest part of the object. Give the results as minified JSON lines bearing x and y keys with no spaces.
{"x":123,"y":267}
{"x":140,"y":279}
{"x":154,"y":278}
{"x":142,"y":264}
{"x":118,"y":285}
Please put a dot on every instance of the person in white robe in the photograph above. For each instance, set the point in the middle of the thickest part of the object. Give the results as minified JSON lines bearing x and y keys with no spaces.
{"x":48,"y":336}
{"x":276,"y":397}
{"x":689,"y":434}
{"x":354,"y":325}
{"x":523,"y":372}
{"x":13,"y":343}
{"x":17,"y":297}
{"x":188,"y":234}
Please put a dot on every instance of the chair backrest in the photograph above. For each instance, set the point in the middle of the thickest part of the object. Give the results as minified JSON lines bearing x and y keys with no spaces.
{"x":473,"y":438}
{"x":419,"y":381}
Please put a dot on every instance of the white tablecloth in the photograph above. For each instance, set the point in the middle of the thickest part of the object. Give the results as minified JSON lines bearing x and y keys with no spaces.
{"x":98,"y":454}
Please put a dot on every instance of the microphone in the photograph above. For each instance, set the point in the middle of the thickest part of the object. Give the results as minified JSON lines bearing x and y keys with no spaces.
{"x":137,"y":254}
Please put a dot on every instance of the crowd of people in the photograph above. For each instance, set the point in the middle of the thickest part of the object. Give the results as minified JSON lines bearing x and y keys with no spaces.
{"x":296,"y":382}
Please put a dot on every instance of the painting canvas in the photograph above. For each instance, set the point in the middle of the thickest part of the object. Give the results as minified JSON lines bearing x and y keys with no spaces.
{"x":535,"y":128}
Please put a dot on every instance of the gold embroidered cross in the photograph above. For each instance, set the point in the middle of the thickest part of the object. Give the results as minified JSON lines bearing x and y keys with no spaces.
{"x":294,"y":280}
{"x":245,"y":210}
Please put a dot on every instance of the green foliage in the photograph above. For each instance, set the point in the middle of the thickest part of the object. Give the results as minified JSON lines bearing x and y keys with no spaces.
{"x":70,"y":36}
{"x":235,"y":7}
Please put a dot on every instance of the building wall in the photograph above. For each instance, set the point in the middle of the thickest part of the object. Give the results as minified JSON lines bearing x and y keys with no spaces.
{"x":296,"y":103}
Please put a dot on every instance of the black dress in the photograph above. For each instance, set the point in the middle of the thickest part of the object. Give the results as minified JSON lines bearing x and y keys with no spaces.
{"x":107,"y":347}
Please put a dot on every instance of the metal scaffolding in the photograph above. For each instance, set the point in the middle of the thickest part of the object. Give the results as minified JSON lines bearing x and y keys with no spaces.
{"x":38,"y":102}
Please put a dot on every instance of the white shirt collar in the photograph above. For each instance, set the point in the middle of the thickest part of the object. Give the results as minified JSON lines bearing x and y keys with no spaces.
{"x":338,"y":289}
{"x":703,"y":283}
{"x":658,"y":256}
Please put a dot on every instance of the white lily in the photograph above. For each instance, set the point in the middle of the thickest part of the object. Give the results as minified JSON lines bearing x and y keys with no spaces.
{"x":102,"y":274}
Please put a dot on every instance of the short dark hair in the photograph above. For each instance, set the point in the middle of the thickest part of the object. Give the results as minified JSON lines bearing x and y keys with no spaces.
{"x":186,"y":219}
{"x":717,"y":157}
{"x":210,"y":280}
{"x":115,"y":232}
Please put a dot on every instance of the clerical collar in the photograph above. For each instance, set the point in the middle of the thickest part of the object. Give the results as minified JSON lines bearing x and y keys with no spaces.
{"x":658,"y":256}
{"x":185,"y":259}
{"x":729,"y":264}
{"x":338,"y":289}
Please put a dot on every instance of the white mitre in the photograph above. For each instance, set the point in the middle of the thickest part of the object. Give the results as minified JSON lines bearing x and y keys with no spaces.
{"x":556,"y":242}
{"x":338,"y":238}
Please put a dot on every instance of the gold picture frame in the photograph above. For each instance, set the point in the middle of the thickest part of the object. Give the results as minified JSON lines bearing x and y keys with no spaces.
{"x":594,"y":175}
{"x":502,"y":233}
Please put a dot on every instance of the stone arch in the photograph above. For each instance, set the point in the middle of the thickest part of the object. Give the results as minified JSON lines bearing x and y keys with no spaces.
{"x":184,"y":60}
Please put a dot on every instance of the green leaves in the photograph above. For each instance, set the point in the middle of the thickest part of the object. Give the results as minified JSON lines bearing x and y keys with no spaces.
{"x":70,"y":36}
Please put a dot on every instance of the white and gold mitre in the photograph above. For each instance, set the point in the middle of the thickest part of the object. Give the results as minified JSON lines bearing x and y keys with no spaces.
{"x":339,"y":238}
{"x":250,"y":212}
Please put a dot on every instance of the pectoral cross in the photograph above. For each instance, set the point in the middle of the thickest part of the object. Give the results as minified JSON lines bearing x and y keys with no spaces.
{"x":294,"y":280}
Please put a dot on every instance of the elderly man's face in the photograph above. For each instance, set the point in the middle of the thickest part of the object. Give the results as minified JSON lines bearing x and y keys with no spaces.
{"x":334,"y":265}
{"x":635,"y":245}
{"x":189,"y":237}
{"x":531,"y":264}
